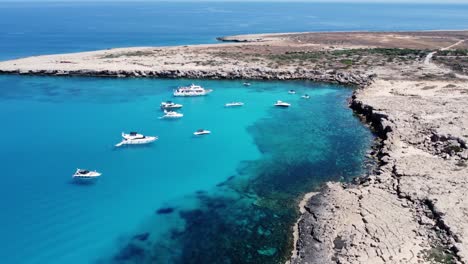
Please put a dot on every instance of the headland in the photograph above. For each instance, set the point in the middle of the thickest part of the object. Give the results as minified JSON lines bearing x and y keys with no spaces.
{"x":412,"y":90}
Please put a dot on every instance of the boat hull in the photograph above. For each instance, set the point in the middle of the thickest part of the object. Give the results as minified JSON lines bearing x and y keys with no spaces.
{"x":143,"y":141}
{"x":233,"y":105}
{"x":191,"y":94}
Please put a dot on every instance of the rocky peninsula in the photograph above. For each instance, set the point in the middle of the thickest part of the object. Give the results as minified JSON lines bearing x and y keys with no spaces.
{"x":412,"y":90}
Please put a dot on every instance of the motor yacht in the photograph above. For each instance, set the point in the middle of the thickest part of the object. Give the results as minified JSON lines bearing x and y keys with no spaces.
{"x":201,"y":132}
{"x":305,"y":96}
{"x":291,"y":92}
{"x":247,"y":84}
{"x":170,"y":105}
{"x":81,"y":174}
{"x":233,"y":104}
{"x":171,"y":115}
{"x":134,"y":138}
{"x":282,"y":104}
{"x":192,"y":90}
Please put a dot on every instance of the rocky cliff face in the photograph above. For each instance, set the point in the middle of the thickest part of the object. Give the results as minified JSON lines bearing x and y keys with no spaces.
{"x":413,"y":209}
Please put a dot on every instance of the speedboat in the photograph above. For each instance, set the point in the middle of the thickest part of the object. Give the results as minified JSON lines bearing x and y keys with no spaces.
{"x":192,"y":90}
{"x":291,"y":92}
{"x":170,"y":105}
{"x":81,"y":174}
{"x":171,"y":114}
{"x":282,"y":104}
{"x":133,"y":138}
{"x":201,"y":132}
{"x":247,"y":84}
{"x":234,"y":104}
{"x":305,"y":96}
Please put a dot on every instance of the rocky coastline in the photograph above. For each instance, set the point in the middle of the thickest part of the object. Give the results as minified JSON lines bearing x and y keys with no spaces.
{"x":410,"y":210}
{"x":413,"y":208}
{"x":329,"y":76}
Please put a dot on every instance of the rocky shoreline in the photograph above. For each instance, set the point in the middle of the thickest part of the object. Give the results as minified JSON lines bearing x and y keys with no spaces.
{"x":329,"y":76}
{"x":413,"y":208}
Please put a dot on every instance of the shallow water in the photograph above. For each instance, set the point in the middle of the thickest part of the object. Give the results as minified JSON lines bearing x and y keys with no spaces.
{"x":233,"y":191}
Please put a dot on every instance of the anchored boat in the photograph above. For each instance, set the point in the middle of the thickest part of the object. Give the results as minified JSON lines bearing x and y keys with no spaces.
{"x":171,"y":115}
{"x":282,"y":104}
{"x":170,"y":105}
{"x":234,"y":104}
{"x":81,"y":174}
{"x":201,"y":132}
{"x":135,"y":139}
{"x":192,"y":90}
{"x":305,"y":96}
{"x":291,"y":92}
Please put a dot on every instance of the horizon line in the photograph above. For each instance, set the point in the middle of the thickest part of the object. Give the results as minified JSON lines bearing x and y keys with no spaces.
{"x":247,"y":1}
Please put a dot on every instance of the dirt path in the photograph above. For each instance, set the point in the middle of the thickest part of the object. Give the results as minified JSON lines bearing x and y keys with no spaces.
{"x":428,"y":59}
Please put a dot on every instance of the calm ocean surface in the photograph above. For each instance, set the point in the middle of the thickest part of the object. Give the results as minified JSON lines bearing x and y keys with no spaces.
{"x":39,"y":28}
{"x":228,"y":197}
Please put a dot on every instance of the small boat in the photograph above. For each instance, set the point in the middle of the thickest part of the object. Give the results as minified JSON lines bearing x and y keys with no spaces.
{"x":170,"y":105}
{"x":247,"y":84}
{"x":81,"y":174}
{"x":135,"y":139}
{"x":282,"y":104}
{"x":192,"y":90}
{"x":291,"y":92}
{"x":305,"y":96}
{"x":201,"y":132}
{"x":234,"y":104}
{"x":171,"y":115}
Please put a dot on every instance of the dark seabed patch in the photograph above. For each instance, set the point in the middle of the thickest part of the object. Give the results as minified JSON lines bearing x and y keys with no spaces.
{"x":165,"y":210}
{"x":249,"y":217}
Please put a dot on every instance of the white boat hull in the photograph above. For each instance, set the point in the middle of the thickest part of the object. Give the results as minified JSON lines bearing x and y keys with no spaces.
{"x":234,"y":104}
{"x":171,"y":116}
{"x":190,"y":94}
{"x":140,"y":141}
{"x":90,"y":175}
{"x":206,"y":132}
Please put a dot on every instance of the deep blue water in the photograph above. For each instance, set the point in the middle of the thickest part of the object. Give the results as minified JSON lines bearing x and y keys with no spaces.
{"x":229,"y":197}
{"x":38,"y":28}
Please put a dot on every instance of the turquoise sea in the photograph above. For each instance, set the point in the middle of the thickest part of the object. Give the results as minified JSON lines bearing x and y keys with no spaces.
{"x":235,"y":186}
{"x":229,"y":197}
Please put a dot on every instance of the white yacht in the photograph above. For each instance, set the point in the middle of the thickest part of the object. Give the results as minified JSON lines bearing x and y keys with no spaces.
{"x":282,"y":104}
{"x":135,"y":139}
{"x":86,"y":174}
{"x":192,"y":90}
{"x":232,"y":104}
{"x":305,"y":96}
{"x":201,"y":132}
{"x":291,"y":92}
{"x":247,"y":84}
{"x":171,"y":114}
{"x":170,"y":105}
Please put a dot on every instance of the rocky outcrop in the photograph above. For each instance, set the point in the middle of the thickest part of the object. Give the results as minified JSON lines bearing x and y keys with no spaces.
{"x":413,"y":208}
{"x":347,"y":78}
